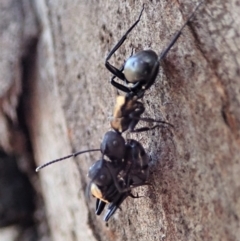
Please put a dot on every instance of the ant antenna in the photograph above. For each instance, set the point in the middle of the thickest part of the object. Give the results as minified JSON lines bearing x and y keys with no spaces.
{"x":177,"y":35}
{"x":65,"y":157}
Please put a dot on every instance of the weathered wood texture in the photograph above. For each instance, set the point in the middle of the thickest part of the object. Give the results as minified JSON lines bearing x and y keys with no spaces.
{"x":21,"y":205}
{"x":195,"y":176}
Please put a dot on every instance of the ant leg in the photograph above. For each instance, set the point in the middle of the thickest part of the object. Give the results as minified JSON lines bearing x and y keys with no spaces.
{"x":132,"y":196}
{"x":135,"y":117}
{"x":128,"y":187}
{"x":153,"y":120}
{"x":177,"y":35}
{"x":149,"y":129}
{"x":110,"y":67}
{"x":119,"y":86}
{"x":114,"y":206}
{"x":116,"y":84}
{"x":116,"y":181}
{"x":99,"y":206}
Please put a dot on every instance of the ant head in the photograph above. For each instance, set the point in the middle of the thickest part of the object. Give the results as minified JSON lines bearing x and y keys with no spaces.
{"x":99,"y":173}
{"x":113,"y":145}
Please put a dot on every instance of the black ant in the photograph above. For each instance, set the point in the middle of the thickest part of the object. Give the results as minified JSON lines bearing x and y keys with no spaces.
{"x":140,"y":69}
{"x":128,"y":165}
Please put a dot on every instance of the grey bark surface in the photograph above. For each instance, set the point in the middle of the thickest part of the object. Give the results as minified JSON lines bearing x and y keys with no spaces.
{"x":195,"y":192}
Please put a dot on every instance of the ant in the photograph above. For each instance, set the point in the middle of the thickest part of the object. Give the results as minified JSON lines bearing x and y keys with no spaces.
{"x":140,"y":69}
{"x":127,"y":167}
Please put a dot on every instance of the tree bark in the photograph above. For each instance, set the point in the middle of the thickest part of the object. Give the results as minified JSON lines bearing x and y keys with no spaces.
{"x":195,"y":189}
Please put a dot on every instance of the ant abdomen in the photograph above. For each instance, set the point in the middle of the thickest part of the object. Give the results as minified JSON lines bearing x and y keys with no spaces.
{"x":141,"y":67}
